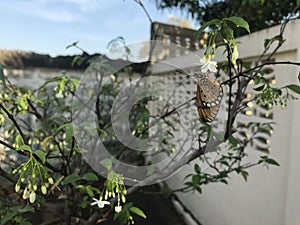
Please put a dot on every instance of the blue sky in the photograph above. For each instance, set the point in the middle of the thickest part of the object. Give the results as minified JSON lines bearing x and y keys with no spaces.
{"x":48,"y":26}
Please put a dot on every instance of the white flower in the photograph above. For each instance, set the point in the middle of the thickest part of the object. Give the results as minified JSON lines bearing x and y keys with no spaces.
{"x":100,"y":203}
{"x":118,"y":209}
{"x":208,"y":66}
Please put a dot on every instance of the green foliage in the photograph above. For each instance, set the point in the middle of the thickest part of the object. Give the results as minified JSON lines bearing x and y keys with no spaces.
{"x":259,"y":14}
{"x":14,"y":214}
{"x":125,"y":216}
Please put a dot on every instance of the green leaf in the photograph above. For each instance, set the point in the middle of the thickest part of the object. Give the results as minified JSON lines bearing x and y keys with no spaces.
{"x":69,"y":133}
{"x":19,"y":140}
{"x":24,"y":148}
{"x":272,"y":162}
{"x":72,"y":45}
{"x":197,"y":188}
{"x":62,"y":127}
{"x":298,"y":2}
{"x":259,"y":88}
{"x":89,"y":191}
{"x":228,"y":33}
{"x":267,"y":43}
{"x":244,"y":174}
{"x":233,"y":141}
{"x":239,"y":22}
{"x":71,"y":178}
{"x":41,"y":155}
{"x":195,"y":180}
{"x":26,"y":209}
{"x":107,"y":163}
{"x":90,"y":176}
{"x":8,"y":217}
{"x":197,"y":168}
{"x":294,"y":87}
{"x":256,"y":80}
{"x":2,"y":76}
{"x":207,"y":24}
{"x":75,"y":82}
{"x":138,"y":212}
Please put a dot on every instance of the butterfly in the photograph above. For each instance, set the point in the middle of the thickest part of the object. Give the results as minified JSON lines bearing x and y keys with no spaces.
{"x":208,"y":98}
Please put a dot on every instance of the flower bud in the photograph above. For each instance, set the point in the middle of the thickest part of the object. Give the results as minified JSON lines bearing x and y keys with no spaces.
{"x":44,"y":189}
{"x":32,"y":197}
{"x":123,"y":198}
{"x":50,"y":180}
{"x":17,"y":187}
{"x":25,"y":194}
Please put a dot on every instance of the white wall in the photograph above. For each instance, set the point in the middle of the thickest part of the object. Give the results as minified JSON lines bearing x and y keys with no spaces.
{"x":271,"y":196}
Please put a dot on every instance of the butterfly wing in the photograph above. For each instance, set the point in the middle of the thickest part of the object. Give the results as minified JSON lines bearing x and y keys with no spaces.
{"x":208,"y":99}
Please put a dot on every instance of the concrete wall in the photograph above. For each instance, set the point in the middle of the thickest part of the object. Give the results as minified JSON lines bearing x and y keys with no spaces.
{"x":271,"y":196}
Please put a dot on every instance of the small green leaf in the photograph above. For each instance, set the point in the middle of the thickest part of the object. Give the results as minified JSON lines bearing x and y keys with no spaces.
{"x":90,"y":176}
{"x":244,"y":174}
{"x":41,"y":155}
{"x":228,"y":33}
{"x":259,"y":88}
{"x":24,"y":148}
{"x":19,"y":140}
{"x":72,"y":45}
{"x":138,"y":212}
{"x":272,"y":162}
{"x":197,"y":168}
{"x":196,"y":180}
{"x":256,"y":80}
{"x":107,"y":163}
{"x":233,"y":141}
{"x":26,"y":209}
{"x":207,"y":24}
{"x":294,"y":87}
{"x":267,"y":43}
{"x":239,"y":22}
{"x":69,"y":179}
{"x":75,"y":82}
{"x":197,"y":188}
{"x":69,"y":133}
{"x":62,"y":127}
{"x":89,"y":191}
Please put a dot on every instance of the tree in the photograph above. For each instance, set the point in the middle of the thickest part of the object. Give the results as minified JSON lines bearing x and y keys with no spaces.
{"x":259,"y":14}
{"x":76,"y":152}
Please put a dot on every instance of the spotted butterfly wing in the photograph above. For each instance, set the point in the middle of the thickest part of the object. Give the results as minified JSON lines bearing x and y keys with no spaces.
{"x":208,"y":99}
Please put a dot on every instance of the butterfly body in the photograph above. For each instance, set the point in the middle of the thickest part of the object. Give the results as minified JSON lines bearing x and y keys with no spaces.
{"x":209,"y":97}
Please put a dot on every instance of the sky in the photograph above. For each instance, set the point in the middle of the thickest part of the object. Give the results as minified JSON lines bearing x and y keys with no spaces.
{"x":49,"y":26}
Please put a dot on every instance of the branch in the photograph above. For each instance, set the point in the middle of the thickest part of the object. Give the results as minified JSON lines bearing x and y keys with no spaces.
{"x":11,"y":117}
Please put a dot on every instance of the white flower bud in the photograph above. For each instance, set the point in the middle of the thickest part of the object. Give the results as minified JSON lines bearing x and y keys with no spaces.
{"x":44,"y":189}
{"x":50,"y":180}
{"x":32,"y":197}
{"x":25,"y":194}
{"x":123,"y":198}
{"x":17,"y":187}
